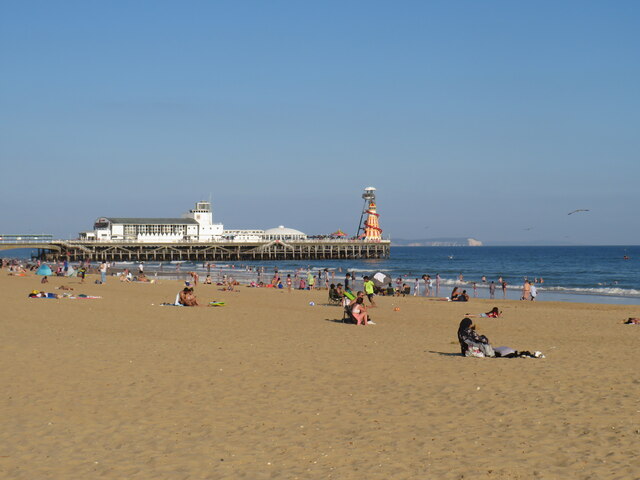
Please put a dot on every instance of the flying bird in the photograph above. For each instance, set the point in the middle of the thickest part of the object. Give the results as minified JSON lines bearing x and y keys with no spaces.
{"x":579,"y":210}
{"x":530,"y":228}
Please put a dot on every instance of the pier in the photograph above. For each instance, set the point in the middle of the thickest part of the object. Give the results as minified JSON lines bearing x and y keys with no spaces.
{"x":120,"y":251}
{"x":195,"y":237}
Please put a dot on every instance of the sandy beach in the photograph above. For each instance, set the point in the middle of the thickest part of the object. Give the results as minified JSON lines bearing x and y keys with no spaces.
{"x":270,"y":387}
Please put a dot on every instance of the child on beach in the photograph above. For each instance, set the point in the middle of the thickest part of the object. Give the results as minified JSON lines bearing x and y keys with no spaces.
{"x":369,"y":289}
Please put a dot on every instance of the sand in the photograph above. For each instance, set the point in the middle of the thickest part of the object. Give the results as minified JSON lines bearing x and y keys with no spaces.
{"x":269,"y":387}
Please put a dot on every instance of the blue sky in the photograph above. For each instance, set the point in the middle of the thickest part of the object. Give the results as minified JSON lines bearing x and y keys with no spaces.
{"x":488,"y":119}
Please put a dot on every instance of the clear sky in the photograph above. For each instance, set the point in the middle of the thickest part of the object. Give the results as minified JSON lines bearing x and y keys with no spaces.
{"x":489,"y":119}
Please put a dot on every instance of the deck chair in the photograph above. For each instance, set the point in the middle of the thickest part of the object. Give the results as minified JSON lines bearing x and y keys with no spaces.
{"x":334,"y":299}
{"x":347,"y":316}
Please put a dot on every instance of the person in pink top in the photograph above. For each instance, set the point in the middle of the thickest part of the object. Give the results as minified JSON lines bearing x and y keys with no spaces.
{"x":359,"y":312}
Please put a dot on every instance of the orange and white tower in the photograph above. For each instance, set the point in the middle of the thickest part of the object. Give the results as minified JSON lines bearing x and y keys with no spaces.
{"x":372,"y":230}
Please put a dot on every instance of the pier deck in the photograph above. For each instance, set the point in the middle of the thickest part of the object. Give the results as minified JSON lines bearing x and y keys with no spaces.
{"x":215,"y":251}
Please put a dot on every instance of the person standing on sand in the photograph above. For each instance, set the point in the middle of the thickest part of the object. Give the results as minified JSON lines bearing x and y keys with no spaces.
{"x":492,"y":290}
{"x":504,"y":289}
{"x":369,"y":289}
{"x":437,"y":284}
{"x":289,"y":282}
{"x":416,"y":287}
{"x":526,"y":290}
{"x":347,"y":279}
{"x":533,"y":292}
{"x":103,"y":272}
{"x":82,"y":271}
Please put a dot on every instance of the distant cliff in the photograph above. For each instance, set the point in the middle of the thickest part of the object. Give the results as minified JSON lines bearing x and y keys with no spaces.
{"x":437,"y":242}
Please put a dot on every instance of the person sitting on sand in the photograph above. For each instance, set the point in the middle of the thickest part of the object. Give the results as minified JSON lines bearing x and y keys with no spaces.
{"x":207,"y":280}
{"x":454,"y":294}
{"x":125,"y":275}
{"x":187,"y":298}
{"x":359,"y":311}
{"x":334,"y":294}
{"x":390,"y":290}
{"x":44,"y":280}
{"x":463,"y":297}
{"x":493,"y":313}
{"x":471,"y":343}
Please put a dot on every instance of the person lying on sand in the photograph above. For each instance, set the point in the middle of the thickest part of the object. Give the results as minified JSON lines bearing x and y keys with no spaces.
{"x":493,"y":313}
{"x":632,"y":321}
{"x":38,"y":294}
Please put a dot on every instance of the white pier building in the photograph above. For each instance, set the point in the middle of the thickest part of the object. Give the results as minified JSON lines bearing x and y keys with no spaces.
{"x":195,"y":226}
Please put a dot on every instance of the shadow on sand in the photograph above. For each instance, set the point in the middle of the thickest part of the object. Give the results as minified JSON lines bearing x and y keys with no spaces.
{"x":445,"y":354}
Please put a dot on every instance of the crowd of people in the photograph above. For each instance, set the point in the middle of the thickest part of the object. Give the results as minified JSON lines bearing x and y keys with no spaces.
{"x":357,"y":306}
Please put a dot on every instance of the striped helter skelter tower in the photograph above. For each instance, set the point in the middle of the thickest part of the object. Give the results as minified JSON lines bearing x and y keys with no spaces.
{"x":372,"y":230}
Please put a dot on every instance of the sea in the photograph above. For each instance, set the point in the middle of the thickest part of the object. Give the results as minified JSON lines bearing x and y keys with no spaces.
{"x":588,"y":274}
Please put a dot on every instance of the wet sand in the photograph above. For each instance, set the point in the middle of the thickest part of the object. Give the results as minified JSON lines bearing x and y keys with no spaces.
{"x":271,"y":387}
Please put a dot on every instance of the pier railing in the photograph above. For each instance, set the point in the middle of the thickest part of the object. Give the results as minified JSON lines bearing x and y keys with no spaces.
{"x":25,"y":239}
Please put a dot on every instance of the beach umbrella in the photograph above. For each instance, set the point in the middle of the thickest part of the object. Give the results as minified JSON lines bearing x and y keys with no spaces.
{"x":381,"y":279}
{"x":44,"y":270}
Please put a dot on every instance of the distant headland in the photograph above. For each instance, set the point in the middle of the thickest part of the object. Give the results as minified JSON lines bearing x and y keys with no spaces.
{"x":438,"y":242}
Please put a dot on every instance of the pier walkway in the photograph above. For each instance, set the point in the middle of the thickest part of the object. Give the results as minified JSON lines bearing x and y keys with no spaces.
{"x":114,"y":251}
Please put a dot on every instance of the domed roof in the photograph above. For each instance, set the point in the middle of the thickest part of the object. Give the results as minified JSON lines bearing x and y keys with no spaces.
{"x":282,"y":230}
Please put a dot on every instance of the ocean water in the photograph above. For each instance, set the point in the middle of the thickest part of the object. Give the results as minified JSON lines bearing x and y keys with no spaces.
{"x":583,"y":274}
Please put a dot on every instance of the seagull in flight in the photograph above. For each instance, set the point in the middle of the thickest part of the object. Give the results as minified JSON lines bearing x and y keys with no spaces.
{"x":579,"y":210}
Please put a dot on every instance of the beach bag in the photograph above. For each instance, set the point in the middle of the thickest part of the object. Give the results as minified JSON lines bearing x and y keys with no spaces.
{"x":487,"y":350}
{"x":480,"y":350}
{"x":474,"y":351}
